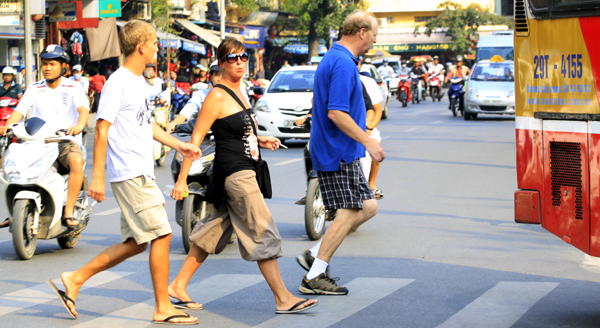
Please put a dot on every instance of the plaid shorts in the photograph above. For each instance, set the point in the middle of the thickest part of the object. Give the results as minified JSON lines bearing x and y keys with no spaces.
{"x":345,"y":188}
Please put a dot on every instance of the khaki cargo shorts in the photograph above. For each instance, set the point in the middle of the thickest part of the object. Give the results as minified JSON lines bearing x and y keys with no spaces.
{"x":66,"y":150}
{"x":143,"y":214}
{"x":246,"y":212}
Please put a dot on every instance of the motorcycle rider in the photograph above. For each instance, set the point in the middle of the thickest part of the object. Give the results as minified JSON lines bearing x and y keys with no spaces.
{"x":386,"y":71}
{"x":437,"y":68}
{"x":62,"y":103}
{"x":10,"y":88}
{"x":419,"y":72}
{"x":154,"y":86}
{"x":459,"y":70}
{"x":404,"y":70}
{"x":78,"y":77}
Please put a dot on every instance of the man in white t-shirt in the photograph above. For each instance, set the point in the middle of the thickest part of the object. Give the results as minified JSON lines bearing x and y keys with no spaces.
{"x":78,"y":77}
{"x":123,"y":142}
{"x":437,"y":68}
{"x":63,"y":105}
{"x":154,"y":86}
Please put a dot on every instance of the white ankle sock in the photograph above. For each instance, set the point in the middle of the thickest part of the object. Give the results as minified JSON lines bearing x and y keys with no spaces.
{"x":316,"y":269}
{"x":314,"y":251}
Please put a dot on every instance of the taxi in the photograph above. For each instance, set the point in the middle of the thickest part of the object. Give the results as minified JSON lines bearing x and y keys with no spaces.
{"x":491,"y":88}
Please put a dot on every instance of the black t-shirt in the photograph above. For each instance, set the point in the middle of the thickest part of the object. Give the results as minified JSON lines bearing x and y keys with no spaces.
{"x":418,"y":70}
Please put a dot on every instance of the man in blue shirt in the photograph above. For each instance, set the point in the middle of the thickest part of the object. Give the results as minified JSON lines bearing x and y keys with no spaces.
{"x":338,"y":141}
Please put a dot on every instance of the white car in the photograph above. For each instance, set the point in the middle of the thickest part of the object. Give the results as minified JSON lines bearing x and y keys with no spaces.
{"x":287,"y":99}
{"x":385,"y":93}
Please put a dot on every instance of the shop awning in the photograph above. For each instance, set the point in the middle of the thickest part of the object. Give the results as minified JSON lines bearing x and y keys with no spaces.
{"x":176,"y":42}
{"x":302,"y":49}
{"x":204,"y":34}
{"x":408,"y":42}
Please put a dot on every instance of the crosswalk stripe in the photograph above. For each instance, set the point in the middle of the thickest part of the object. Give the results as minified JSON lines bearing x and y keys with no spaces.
{"x":42,"y":293}
{"x":205,"y":291}
{"x":501,"y":306}
{"x":109,"y":212}
{"x":331,"y":309}
{"x":289,"y":161}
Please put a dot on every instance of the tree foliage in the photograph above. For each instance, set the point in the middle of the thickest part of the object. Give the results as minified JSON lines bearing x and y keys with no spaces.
{"x":318,"y":17}
{"x":460,"y":23}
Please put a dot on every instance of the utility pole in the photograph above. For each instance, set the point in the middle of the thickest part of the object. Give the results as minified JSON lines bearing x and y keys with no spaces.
{"x":222,"y":19}
{"x":28,"y":48}
{"x":168,"y":77}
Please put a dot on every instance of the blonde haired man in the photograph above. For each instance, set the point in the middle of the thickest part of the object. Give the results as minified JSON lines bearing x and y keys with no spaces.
{"x":124,"y":133}
{"x":339,"y":136}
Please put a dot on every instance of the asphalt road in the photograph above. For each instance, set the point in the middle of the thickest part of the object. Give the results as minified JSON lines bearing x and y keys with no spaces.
{"x":443,"y":251}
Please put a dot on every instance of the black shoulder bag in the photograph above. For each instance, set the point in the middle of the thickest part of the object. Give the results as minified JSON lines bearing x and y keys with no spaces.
{"x":263,"y":177}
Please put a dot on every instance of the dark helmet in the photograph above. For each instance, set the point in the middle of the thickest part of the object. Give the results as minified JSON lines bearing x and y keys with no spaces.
{"x":436,"y":57}
{"x":53,"y":51}
{"x":151,"y":65}
{"x":385,"y":60}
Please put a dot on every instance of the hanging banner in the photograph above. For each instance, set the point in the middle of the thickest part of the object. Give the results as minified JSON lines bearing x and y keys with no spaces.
{"x":173,"y":42}
{"x":62,"y":11}
{"x":193,"y":47}
{"x":302,"y":49}
{"x":254,"y":37}
{"x":413,"y":47}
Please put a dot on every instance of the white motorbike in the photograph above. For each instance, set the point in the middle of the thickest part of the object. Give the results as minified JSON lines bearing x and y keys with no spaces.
{"x":34,"y":186}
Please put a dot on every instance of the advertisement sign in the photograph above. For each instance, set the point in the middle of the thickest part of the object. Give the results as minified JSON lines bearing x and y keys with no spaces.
{"x":10,"y":20}
{"x":302,"y":49}
{"x":173,"y":42}
{"x":10,"y":7}
{"x":193,"y":47}
{"x":110,"y":8}
{"x":62,"y":11}
{"x":14,"y":32}
{"x":254,"y":37}
{"x":14,"y":56}
{"x":413,"y":47}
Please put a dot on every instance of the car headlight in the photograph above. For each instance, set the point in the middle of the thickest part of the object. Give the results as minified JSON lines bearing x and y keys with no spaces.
{"x":473,"y":91}
{"x":32,"y":174}
{"x":262,"y":106}
{"x":511,"y":93}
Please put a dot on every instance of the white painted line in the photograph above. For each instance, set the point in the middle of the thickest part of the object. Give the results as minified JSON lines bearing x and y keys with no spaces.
{"x":411,"y":130}
{"x":332,"y":309}
{"x":208,"y":290}
{"x":4,"y":240}
{"x":437,"y":122}
{"x":500,"y":306}
{"x":109,"y":212}
{"x":42,"y":293}
{"x":290,"y":161}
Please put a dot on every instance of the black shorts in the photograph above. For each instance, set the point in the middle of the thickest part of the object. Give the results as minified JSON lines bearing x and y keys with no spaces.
{"x":345,"y":188}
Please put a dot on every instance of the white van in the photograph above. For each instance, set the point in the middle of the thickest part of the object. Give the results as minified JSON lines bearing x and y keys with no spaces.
{"x":497,"y":44}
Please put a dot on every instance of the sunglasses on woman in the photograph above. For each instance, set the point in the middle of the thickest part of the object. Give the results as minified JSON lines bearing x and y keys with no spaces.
{"x":232,"y":58}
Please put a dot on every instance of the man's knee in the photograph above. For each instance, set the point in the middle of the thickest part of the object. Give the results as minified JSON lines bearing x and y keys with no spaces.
{"x":135,"y":247}
{"x":76,"y":163}
{"x":370,"y":208}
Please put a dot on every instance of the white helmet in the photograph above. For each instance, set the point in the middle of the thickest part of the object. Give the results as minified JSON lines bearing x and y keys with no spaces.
{"x":76,"y":68}
{"x":8,"y":70}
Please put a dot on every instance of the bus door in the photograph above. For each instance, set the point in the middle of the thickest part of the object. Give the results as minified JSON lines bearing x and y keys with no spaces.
{"x":566,"y":181}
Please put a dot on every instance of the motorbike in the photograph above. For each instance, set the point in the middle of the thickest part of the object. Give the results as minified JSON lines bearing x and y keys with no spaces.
{"x":404,"y":90}
{"x":193,"y":208}
{"x":415,"y":90}
{"x":315,"y":214}
{"x":435,"y":87}
{"x":7,"y":107}
{"x":35,"y":188}
{"x":456,"y":90}
{"x":179,"y":98}
{"x":160,"y":115}
{"x":255,"y":92}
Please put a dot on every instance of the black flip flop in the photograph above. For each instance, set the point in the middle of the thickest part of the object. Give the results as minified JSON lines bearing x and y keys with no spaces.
{"x":64,"y":222}
{"x":5,"y":223}
{"x":63,"y":298}
{"x":294,"y":309}
{"x":167,"y":321}
{"x":182,"y":305}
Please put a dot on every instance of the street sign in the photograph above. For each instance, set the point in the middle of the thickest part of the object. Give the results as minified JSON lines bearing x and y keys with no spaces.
{"x":11,"y":7}
{"x":413,"y":47}
{"x":193,"y":47}
{"x":110,"y":8}
{"x":62,"y":11}
{"x":10,"y":20}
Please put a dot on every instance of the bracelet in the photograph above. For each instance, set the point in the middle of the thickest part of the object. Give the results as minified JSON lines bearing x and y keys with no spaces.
{"x":369,"y":129}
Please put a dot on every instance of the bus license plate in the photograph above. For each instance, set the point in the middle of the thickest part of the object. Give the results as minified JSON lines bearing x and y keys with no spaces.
{"x":289,"y":122}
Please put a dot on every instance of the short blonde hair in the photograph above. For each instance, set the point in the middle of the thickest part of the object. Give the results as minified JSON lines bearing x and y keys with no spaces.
{"x":134,"y":33}
{"x":356,"y":21}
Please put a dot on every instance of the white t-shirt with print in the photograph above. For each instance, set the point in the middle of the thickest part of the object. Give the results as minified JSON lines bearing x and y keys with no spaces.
{"x":194,"y":105}
{"x":372,"y":89}
{"x":58,"y":106}
{"x":124,"y":104}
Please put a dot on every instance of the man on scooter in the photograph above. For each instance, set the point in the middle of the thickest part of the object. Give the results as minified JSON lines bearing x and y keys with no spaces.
{"x":9,"y":87}
{"x":154,"y":85}
{"x":458,"y":71}
{"x":419,"y":72}
{"x":386,"y":71}
{"x":437,"y":67}
{"x":62,"y":103}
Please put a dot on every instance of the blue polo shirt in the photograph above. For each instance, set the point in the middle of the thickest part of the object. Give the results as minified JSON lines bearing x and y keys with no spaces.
{"x":337,"y":87}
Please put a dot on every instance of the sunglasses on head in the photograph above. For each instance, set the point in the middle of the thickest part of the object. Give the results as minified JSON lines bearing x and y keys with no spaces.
{"x":232,"y":58}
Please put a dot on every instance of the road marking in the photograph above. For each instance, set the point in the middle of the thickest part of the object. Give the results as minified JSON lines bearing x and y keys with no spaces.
{"x":109,"y":212}
{"x":411,"y":130}
{"x":290,"y":161}
{"x":39,"y":294}
{"x":205,"y":291}
{"x":331,"y":309}
{"x":437,"y":122}
{"x":500,"y":306}
{"x":4,"y":240}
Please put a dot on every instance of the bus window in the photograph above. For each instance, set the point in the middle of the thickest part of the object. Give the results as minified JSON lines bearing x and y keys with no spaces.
{"x":540,"y":4}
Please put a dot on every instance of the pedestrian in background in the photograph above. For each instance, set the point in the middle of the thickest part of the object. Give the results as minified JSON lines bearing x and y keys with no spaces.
{"x":97,"y":82}
{"x":124,"y":133}
{"x":338,"y":142}
{"x":78,"y":77}
{"x":234,"y":189}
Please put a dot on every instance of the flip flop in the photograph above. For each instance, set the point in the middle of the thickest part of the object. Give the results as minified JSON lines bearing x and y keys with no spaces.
{"x":167,"y":321}
{"x":5,"y":224}
{"x":75,"y":226}
{"x":378,"y":193}
{"x":182,"y":305}
{"x":63,"y":298}
{"x":294,"y":308}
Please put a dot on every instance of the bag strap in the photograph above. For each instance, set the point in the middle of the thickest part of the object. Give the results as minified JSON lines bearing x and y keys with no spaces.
{"x":236,"y":98}
{"x":6,"y":91}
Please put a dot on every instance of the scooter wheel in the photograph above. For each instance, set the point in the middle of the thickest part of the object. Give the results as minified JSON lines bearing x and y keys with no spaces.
{"x":67,"y":242}
{"x":21,"y":227}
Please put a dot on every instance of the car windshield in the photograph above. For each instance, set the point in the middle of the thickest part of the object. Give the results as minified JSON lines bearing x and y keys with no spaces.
{"x":485,"y":53}
{"x":494,"y":72}
{"x":293,"y":81}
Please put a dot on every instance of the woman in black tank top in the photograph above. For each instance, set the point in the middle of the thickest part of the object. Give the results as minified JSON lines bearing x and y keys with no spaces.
{"x":239,"y":204}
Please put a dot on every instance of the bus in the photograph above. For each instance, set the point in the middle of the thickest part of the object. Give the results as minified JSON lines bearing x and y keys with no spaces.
{"x":557,"y":85}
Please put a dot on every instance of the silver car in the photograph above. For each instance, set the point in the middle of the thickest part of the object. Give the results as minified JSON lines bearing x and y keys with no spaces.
{"x":491,"y":88}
